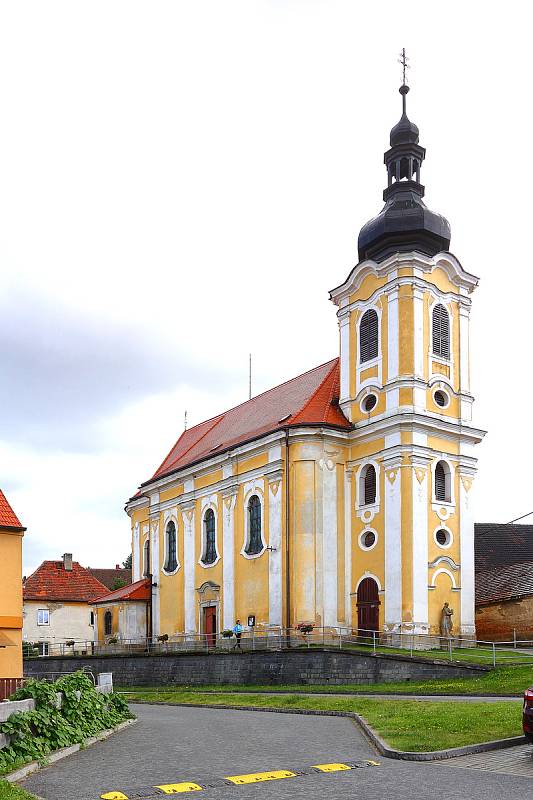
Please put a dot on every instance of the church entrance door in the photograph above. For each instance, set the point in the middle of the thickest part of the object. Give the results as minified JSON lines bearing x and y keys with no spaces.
{"x":210,"y":625}
{"x":367,"y":607}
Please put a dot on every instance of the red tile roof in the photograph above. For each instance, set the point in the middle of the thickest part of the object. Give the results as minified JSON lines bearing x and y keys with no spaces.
{"x":309,"y":399}
{"x":51,"y":581}
{"x":140,"y":590}
{"x":8,"y":518}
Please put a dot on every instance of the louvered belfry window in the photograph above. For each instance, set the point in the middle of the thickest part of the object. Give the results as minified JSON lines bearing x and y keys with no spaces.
{"x":441,"y":332}
{"x":370,"y":485}
{"x":210,"y":552}
{"x":368,"y":335}
{"x":441,"y":494}
{"x":255,"y":541}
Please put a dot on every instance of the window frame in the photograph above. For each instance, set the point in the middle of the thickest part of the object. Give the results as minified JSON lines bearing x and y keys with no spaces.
{"x":167,"y":568}
{"x":108,"y":615}
{"x":371,"y":359}
{"x":448,"y":483}
{"x":43,"y":611}
{"x":247,"y":526}
{"x":438,"y":355}
{"x":203,"y":555}
{"x":146,"y":558}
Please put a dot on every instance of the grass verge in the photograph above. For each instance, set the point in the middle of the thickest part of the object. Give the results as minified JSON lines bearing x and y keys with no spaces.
{"x":10,"y":791}
{"x":405,"y":725}
{"x":504,"y":681}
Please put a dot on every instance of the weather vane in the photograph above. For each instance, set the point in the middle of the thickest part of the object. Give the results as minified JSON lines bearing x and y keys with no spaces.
{"x":403,"y":61}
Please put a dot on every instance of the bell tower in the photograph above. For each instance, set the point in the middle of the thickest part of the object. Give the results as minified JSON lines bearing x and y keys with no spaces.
{"x":404,"y":315}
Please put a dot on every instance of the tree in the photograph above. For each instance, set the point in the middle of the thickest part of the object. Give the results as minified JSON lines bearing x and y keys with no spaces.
{"x":127,"y":563}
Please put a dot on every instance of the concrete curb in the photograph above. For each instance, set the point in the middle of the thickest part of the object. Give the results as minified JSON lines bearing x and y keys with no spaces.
{"x":374,"y":738}
{"x":57,"y":755}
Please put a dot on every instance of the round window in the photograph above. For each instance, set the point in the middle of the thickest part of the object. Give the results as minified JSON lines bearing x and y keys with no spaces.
{"x":441,"y":398}
{"x":370,"y":402}
{"x":442,"y":537}
{"x":367,"y":539}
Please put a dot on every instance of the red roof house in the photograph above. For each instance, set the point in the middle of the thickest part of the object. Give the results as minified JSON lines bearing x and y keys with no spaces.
{"x":63,"y":581}
{"x":8,"y":518}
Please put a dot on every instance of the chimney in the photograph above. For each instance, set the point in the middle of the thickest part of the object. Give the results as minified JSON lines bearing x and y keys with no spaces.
{"x":67,"y":562}
{"x":117,"y":566}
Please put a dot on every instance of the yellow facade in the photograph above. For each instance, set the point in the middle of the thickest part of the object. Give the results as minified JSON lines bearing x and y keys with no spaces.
{"x":11,"y":602}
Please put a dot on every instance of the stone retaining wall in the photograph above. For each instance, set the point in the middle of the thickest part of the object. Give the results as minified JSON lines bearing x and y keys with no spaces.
{"x":287,"y":667}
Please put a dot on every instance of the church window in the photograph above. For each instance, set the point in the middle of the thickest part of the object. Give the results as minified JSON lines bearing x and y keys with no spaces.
{"x":442,"y":483}
{"x":146,"y":558}
{"x":443,"y":537}
{"x":108,"y":623}
{"x":441,"y":332}
{"x":441,"y":398}
{"x":367,"y":539}
{"x":368,"y":485}
{"x":368,"y":336}
{"x":370,"y":402}
{"x":210,"y":551}
{"x":171,"y":558}
{"x":255,"y":539}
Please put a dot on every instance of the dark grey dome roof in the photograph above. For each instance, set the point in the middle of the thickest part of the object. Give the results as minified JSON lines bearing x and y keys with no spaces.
{"x":405,"y":223}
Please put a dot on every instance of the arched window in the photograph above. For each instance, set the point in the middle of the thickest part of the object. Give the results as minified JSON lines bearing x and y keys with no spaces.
{"x":441,"y":332}
{"x":255,"y":539}
{"x":368,"y":336}
{"x":368,"y":485}
{"x":108,"y":623}
{"x":171,"y":558}
{"x":146,"y":558}
{"x":210,"y":550}
{"x":442,"y":483}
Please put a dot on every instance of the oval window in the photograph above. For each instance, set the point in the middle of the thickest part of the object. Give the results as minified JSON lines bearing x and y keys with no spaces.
{"x":370,"y":402}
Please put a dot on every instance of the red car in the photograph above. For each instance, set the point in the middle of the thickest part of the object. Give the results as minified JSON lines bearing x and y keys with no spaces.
{"x":527,"y":714}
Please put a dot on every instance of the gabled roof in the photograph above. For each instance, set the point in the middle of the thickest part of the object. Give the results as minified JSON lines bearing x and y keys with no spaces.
{"x":140,"y":590}
{"x":504,"y":583}
{"x":8,"y":518}
{"x":501,"y":545}
{"x":110,"y":576}
{"x":309,"y":399}
{"x":51,"y":581}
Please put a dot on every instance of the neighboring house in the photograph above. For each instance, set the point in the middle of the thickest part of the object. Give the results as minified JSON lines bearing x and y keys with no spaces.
{"x":11,"y":533}
{"x":504,"y":581}
{"x":57,"y":598}
{"x":123,"y":614}
{"x":341,"y":497}
{"x":112,"y":578}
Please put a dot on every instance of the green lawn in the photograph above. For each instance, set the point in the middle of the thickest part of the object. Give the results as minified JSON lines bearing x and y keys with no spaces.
{"x":404,"y":724}
{"x":503,"y":681}
{"x":10,"y":791}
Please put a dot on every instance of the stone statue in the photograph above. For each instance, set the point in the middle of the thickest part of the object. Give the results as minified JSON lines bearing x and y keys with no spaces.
{"x":446,"y":624}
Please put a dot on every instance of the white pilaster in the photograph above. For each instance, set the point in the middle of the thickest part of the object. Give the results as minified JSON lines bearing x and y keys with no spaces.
{"x":228,"y":559}
{"x":393,"y":544}
{"x":329,"y":543}
{"x":344,"y":328}
{"x":348,"y":547}
{"x":275,"y":603}
{"x":464,"y":346}
{"x":418,"y":345}
{"x":466,"y":527}
{"x":420,"y":546}
{"x":154,"y":561}
{"x":189,"y":564}
{"x":136,"y":554}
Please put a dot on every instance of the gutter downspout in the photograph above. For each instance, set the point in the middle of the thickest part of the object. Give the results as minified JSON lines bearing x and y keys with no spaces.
{"x":287,"y":544}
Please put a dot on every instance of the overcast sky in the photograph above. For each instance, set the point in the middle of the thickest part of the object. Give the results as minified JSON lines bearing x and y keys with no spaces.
{"x":181,"y":183}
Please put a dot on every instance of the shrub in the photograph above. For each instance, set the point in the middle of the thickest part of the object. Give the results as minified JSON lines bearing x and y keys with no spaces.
{"x":83,"y":713}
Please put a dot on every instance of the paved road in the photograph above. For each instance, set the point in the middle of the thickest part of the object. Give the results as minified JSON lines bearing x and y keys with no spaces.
{"x":174,"y":744}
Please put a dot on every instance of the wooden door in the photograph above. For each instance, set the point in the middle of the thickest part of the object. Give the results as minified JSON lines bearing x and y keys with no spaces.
{"x":210,"y":625}
{"x":367,"y":607}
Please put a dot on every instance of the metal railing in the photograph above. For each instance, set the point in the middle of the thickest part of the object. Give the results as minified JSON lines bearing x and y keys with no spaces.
{"x":276,"y":638}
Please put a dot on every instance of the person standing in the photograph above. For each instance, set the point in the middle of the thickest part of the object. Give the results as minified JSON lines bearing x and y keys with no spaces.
{"x":237,"y":630}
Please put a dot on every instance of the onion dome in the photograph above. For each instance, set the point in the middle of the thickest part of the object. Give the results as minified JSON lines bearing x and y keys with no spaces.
{"x":405,"y":223}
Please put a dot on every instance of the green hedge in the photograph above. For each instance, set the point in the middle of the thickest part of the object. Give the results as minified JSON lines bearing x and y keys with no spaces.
{"x":83,"y":713}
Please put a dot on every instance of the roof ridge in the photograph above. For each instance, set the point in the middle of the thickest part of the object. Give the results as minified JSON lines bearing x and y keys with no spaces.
{"x":317,"y":390}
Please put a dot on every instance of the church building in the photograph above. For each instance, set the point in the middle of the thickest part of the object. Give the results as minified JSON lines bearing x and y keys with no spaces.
{"x":342,"y":497}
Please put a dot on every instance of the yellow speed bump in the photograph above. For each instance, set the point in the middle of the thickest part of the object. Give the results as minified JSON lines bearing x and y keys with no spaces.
{"x":256,"y":777}
{"x":176,"y":788}
{"x":114,"y":796}
{"x":331,"y":767}
{"x":373,"y":763}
